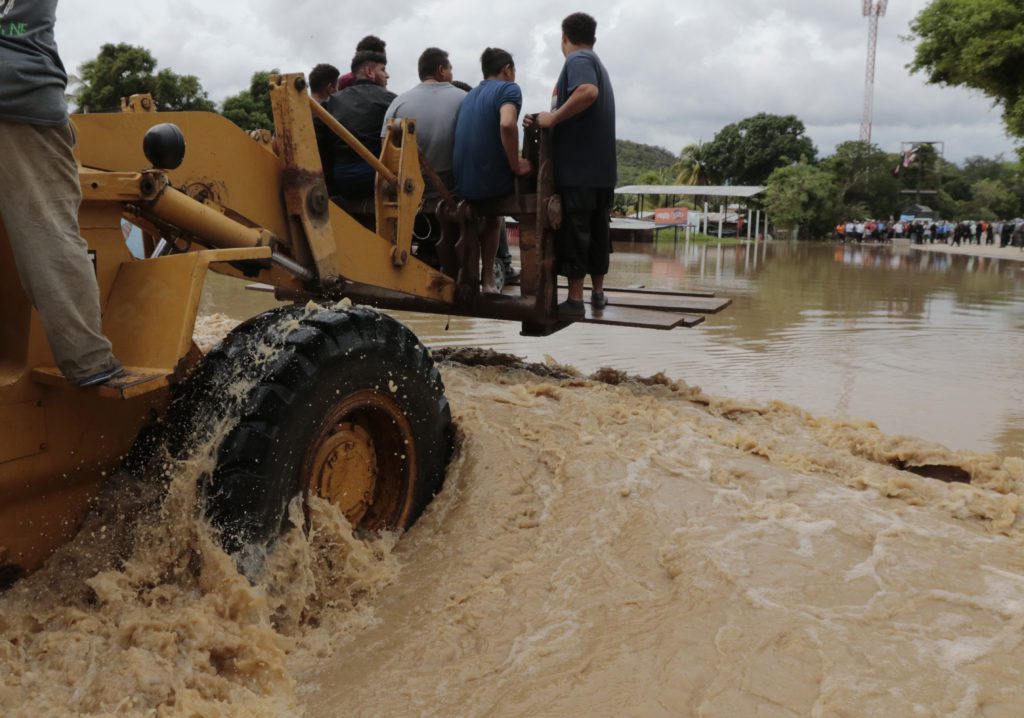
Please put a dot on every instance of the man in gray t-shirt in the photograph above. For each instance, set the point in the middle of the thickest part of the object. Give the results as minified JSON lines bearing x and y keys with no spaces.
{"x":434,"y":104}
{"x":40,"y":193}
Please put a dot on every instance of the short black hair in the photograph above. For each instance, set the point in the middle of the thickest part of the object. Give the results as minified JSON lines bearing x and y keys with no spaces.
{"x":580,"y":28}
{"x":430,"y":60}
{"x":464,"y":86}
{"x":322,"y":75}
{"x":364,"y":57}
{"x":371,"y":43}
{"x":494,"y":59}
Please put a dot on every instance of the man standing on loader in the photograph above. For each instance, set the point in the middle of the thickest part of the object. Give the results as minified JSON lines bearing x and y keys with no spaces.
{"x":40,"y":193}
{"x":583,"y":119}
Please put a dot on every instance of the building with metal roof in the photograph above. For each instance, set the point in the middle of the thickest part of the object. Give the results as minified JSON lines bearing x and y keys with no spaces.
{"x":727,"y":192}
{"x":689,"y":190}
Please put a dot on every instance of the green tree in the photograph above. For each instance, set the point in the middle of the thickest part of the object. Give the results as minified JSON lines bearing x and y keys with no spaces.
{"x":978,"y":168}
{"x":747,"y":152}
{"x":692,"y":166}
{"x":991,"y":199}
{"x":250,"y":109}
{"x":930,"y":171}
{"x":803,"y":198}
{"x":655,"y":177}
{"x":977,"y":44}
{"x":635,"y":158}
{"x":1016,"y":184}
{"x":123,"y":70}
{"x":863,"y":176}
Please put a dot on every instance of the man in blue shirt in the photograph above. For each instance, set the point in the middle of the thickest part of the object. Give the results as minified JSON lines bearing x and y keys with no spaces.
{"x":486,"y":156}
{"x":585,"y":166}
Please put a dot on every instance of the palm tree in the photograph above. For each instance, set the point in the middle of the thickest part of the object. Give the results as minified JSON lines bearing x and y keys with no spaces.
{"x":654,"y":177}
{"x":691,"y":167}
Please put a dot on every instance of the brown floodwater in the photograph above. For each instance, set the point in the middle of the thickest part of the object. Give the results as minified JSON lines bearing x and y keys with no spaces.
{"x":929,"y":345}
{"x":603,"y":545}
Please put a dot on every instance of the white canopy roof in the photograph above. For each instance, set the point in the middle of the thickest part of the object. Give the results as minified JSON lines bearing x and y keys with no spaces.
{"x":631,"y":223}
{"x":686,"y":189}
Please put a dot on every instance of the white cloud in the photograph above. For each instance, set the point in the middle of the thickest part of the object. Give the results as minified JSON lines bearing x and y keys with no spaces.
{"x":681,"y":71}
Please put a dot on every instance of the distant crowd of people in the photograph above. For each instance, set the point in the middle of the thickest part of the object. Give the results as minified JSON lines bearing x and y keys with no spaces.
{"x":1004,"y":233}
{"x":469,"y":139}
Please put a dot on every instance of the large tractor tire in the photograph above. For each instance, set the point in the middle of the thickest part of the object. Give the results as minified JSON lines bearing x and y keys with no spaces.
{"x":348,"y":407}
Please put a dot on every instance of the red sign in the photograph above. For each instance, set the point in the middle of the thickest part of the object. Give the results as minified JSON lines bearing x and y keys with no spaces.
{"x":671,"y":215}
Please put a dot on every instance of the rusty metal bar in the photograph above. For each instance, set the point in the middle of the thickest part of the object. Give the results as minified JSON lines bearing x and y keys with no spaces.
{"x":484,"y":306}
{"x":360,"y":149}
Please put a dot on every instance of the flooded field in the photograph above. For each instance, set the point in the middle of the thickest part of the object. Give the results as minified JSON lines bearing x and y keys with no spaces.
{"x":609,"y":544}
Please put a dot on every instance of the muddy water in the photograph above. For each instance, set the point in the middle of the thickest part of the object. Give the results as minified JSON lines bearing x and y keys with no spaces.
{"x":922,"y":344}
{"x":602,"y":546}
{"x":648,"y":551}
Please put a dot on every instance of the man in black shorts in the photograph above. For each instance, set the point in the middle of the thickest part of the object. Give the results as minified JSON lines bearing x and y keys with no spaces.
{"x":583,"y":119}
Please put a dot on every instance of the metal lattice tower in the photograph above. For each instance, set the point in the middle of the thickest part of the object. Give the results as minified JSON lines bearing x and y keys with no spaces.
{"x":873,"y":11}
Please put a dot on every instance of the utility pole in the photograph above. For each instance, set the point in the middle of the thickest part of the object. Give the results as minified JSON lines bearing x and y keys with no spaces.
{"x":873,"y":11}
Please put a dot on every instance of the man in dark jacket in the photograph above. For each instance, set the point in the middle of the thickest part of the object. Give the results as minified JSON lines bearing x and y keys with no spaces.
{"x":40,"y":193}
{"x":370,"y":43}
{"x":361,"y":109}
{"x":323,"y":82}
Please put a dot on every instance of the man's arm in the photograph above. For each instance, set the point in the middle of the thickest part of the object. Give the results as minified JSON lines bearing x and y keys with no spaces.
{"x":510,"y":139}
{"x":581,"y":98}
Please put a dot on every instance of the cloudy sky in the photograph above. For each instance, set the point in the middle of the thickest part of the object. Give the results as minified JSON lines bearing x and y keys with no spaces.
{"x":681,"y":69}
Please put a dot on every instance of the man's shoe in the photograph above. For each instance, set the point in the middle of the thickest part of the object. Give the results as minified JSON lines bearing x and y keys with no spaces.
{"x":102,"y":377}
{"x":572,"y":308}
{"x":511,"y":275}
{"x":598,"y":300}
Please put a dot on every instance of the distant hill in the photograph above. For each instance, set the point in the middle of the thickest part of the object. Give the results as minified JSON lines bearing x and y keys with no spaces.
{"x":635,"y":159}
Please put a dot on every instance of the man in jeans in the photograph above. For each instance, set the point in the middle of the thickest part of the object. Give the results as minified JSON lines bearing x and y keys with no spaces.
{"x":40,"y":194}
{"x":585,"y":166}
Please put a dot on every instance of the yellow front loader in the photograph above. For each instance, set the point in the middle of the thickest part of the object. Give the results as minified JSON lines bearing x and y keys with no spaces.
{"x":341,"y":402}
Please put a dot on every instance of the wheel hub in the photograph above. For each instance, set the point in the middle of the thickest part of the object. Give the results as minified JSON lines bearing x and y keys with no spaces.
{"x":363,"y":460}
{"x":344,"y":470}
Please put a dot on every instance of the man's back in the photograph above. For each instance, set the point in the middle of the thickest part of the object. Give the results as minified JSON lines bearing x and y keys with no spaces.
{"x":435,"y":107}
{"x":360,"y":108}
{"x":479,"y":161}
{"x":584,"y":145}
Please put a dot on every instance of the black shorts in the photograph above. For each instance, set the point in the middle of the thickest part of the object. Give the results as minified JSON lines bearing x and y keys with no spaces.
{"x":583,"y":243}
